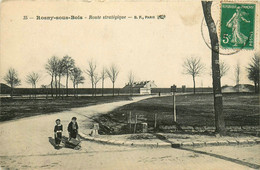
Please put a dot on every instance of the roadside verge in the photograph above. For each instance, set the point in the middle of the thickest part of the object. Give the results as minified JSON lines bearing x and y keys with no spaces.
{"x":172,"y":143}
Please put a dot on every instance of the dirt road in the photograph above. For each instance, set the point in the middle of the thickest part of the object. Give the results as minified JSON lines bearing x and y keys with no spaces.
{"x":25,"y":145}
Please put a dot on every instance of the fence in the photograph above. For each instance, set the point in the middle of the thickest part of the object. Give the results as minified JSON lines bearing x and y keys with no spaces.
{"x":37,"y":91}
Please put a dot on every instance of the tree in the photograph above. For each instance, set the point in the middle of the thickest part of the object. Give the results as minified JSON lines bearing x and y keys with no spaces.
{"x":131,"y":79}
{"x":253,"y":71}
{"x":69,"y":64}
{"x":91,"y":72}
{"x":80,"y":79}
{"x":55,"y":78}
{"x":218,"y":103}
{"x":61,"y":71}
{"x":193,"y":66}
{"x":32,"y":79}
{"x":96,"y":80}
{"x":76,"y":77}
{"x":12,"y":79}
{"x":224,"y":68}
{"x":112,"y":73}
{"x":103,"y":77}
{"x":51,"y":68}
{"x":237,"y":74}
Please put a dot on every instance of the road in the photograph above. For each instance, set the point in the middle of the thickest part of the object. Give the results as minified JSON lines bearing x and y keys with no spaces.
{"x":25,"y":144}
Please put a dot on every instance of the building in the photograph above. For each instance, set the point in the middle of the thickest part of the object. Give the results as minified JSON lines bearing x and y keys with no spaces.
{"x":4,"y":89}
{"x":53,"y":85}
{"x":142,"y":87}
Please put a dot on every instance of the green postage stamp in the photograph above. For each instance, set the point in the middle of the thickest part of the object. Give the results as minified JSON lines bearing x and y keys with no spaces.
{"x":237,"y":26}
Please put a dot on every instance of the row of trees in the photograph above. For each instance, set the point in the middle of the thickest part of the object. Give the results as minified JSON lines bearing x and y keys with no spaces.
{"x":57,"y":68}
{"x":194,"y":67}
{"x":111,"y":72}
{"x":65,"y":67}
{"x":11,"y":78}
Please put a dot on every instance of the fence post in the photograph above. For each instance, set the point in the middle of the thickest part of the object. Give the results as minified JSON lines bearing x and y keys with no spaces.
{"x":174,"y":108}
{"x":135,"y":123}
{"x":155,"y":120}
{"x":174,"y":90}
{"x":129,"y":121}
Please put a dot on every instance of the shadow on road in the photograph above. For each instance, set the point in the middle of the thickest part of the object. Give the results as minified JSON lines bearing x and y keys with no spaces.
{"x":250,"y":165}
{"x":52,"y":142}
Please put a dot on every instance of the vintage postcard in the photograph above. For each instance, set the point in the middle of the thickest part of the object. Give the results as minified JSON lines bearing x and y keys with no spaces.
{"x":87,"y":84}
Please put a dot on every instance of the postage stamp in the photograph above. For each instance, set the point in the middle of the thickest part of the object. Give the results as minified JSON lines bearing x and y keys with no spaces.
{"x":237,"y":26}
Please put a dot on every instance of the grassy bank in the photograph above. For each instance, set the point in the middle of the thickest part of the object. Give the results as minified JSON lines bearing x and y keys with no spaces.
{"x":19,"y":108}
{"x":192,"y":110}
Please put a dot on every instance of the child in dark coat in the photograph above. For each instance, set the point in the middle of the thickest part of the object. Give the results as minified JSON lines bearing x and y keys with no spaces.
{"x":73,"y":128}
{"x":58,"y":132}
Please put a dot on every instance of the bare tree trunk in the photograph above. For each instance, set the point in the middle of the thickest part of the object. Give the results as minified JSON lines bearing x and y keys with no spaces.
{"x":67,"y":84}
{"x":77,"y":90}
{"x":194,"y":85}
{"x":95,"y":90}
{"x":218,"y":103}
{"x":52,"y":86}
{"x":74,"y":86}
{"x":92,"y":86}
{"x":56,"y":86}
{"x":102,"y":87}
{"x":59,"y":85}
{"x":113,"y":88}
{"x":12,"y":91}
{"x":238,"y":76}
{"x":35,"y":91}
{"x":30,"y":92}
{"x":255,"y":86}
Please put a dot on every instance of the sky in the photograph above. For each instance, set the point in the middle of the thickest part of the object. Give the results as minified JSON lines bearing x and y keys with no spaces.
{"x":153,"y":49}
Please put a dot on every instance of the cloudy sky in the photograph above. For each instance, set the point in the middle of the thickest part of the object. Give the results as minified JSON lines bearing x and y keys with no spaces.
{"x":153,"y":49}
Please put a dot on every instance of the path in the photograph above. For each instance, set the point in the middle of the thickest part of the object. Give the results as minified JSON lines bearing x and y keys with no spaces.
{"x":25,"y":145}
{"x":30,"y":136}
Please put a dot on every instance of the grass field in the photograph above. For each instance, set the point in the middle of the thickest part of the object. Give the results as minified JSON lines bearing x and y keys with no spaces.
{"x":192,"y":110}
{"x":19,"y":108}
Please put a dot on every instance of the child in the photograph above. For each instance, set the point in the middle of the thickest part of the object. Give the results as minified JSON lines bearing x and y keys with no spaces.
{"x":73,"y":128}
{"x":58,"y":132}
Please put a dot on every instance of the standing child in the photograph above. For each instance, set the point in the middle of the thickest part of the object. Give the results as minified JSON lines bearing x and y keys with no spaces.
{"x":58,"y":132}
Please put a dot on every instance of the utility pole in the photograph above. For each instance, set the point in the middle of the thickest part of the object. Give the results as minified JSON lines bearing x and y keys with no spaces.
{"x":218,"y":103}
{"x":174,"y":90}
